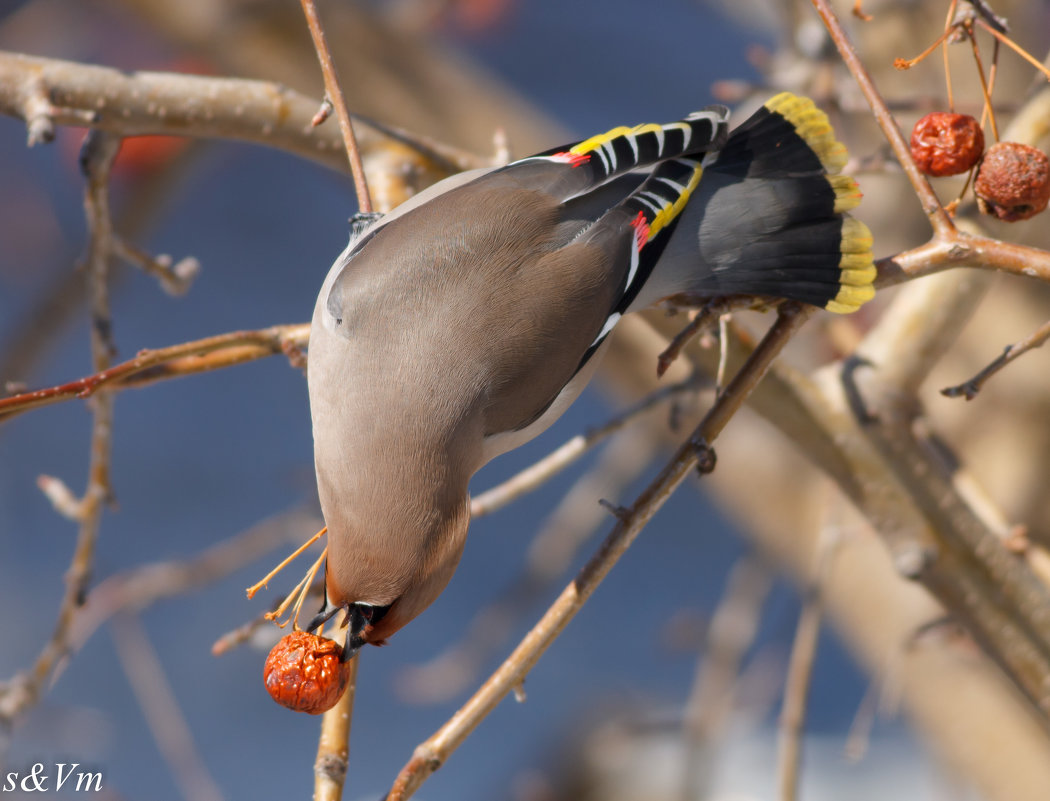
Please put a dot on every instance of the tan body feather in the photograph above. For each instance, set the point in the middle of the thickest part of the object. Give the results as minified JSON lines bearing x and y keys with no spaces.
{"x":396,"y":437}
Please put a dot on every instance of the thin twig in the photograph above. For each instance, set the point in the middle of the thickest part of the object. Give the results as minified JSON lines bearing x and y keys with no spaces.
{"x":97,"y":156}
{"x":702,"y":320}
{"x":858,"y":11}
{"x":944,"y":54}
{"x":723,"y":351}
{"x":986,"y":88}
{"x":309,"y":580}
{"x":993,"y":71}
{"x":240,"y":635}
{"x":858,"y":738}
{"x":298,"y":593}
{"x":537,"y":474}
{"x":908,"y":63}
{"x":334,"y":95}
{"x":174,"y":361}
{"x":800,"y":670}
{"x":156,"y":699}
{"x":431,"y":754}
{"x":931,"y":205}
{"x":1006,"y":40}
{"x":970,"y":388}
{"x":175,"y":279}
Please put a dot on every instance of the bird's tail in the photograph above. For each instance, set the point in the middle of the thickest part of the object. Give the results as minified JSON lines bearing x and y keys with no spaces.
{"x":768,"y":217}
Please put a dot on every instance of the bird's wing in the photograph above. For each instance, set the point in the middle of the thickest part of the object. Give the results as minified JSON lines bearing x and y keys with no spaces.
{"x":522,"y":271}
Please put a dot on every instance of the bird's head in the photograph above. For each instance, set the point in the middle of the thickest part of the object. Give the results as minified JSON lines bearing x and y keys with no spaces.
{"x":384,"y":583}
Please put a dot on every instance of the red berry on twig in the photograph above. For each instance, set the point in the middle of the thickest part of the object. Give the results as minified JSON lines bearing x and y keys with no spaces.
{"x":946,"y":144}
{"x":303,"y":672}
{"x":1013,"y":182}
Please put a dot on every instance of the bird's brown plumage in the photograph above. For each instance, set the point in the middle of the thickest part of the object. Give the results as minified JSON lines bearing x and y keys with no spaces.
{"x":395,"y":439}
{"x":463,"y":323}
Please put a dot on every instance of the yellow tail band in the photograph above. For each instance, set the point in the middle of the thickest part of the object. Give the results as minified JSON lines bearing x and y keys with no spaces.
{"x":813,"y":126}
{"x":857,"y":267}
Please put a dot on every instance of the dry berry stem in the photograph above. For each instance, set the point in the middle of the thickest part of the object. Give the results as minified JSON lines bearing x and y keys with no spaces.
{"x":1006,"y":40}
{"x":944,"y":52}
{"x":986,"y":88}
{"x":908,"y":63}
{"x":300,"y":591}
{"x":287,"y":561}
{"x":992,"y":72}
{"x":307,"y":582}
{"x":858,"y":11}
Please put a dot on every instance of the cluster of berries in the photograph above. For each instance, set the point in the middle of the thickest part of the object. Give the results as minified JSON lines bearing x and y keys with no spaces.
{"x":1013,"y":180}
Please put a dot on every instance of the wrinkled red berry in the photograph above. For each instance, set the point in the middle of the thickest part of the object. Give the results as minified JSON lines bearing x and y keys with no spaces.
{"x":1013,"y":182}
{"x":946,"y":144}
{"x":303,"y":672}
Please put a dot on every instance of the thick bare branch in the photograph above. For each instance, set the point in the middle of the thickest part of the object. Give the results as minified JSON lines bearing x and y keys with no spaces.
{"x":45,"y":92}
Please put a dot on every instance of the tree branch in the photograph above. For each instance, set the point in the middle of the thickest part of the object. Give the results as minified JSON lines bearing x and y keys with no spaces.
{"x":334,"y":94}
{"x":931,"y":204}
{"x":174,"y":361}
{"x":970,"y":388}
{"x":96,"y":160}
{"x":535,"y":475}
{"x":45,"y":92}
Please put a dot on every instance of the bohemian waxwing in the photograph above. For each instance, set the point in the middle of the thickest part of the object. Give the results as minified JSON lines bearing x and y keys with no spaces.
{"x":464,"y":323}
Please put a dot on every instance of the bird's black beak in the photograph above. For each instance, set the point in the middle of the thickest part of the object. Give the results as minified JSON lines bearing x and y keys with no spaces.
{"x":328,"y":611}
{"x":357,"y":621}
{"x":359,"y":617}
